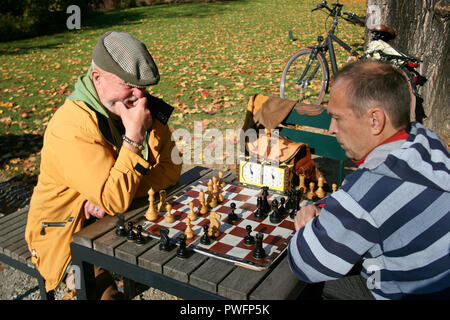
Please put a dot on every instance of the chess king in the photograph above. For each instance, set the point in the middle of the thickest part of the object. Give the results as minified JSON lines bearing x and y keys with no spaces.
{"x":106,"y":145}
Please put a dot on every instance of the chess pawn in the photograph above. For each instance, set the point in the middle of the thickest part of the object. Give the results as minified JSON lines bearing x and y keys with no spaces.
{"x":320,"y":192}
{"x":162,"y":201}
{"x":214,"y":201}
{"x":130,"y":233}
{"x":203,"y":209}
{"x":151,"y":214}
{"x":301,"y":185}
{"x":215,"y":181}
{"x":249,"y":240}
{"x":169,"y":216}
{"x":311,"y":194}
{"x":334,"y":187}
{"x":210,"y":193}
{"x":140,"y":239}
{"x":191,"y":215}
{"x":205,"y":239}
{"x":189,"y":232}
{"x":220,"y":197}
{"x":222,"y":183}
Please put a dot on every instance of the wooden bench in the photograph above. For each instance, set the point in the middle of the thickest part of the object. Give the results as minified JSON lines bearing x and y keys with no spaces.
{"x":14,"y":250}
{"x":295,"y":128}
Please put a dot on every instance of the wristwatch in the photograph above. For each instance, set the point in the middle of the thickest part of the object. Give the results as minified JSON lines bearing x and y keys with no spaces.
{"x":133,"y":143}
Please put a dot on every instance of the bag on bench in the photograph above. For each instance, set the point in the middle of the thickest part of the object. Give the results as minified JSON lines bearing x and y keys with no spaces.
{"x":267,"y":113}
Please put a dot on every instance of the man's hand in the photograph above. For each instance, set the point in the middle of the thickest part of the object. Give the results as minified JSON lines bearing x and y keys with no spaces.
{"x":305,"y":214}
{"x":91,"y":209}
{"x":137,"y":120}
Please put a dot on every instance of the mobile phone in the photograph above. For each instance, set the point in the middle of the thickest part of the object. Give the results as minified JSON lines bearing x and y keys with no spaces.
{"x":159,"y":109}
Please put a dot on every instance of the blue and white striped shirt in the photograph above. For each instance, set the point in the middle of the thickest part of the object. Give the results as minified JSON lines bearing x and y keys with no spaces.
{"x":393,"y":214}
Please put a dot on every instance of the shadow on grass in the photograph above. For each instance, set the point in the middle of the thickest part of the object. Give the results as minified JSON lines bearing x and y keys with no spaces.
{"x":16,"y":193}
{"x":18,"y":146}
{"x":165,"y":11}
{"x":99,"y":20}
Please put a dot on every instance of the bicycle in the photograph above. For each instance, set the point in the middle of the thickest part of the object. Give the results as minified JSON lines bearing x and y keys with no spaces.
{"x":311,"y":61}
{"x":311,"y":82}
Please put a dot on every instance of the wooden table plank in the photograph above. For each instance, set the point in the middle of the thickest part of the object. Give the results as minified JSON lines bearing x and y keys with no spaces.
{"x":19,"y":250}
{"x":24,"y":256}
{"x":14,"y":246}
{"x":180,"y":269}
{"x":11,"y":238}
{"x":20,"y":219}
{"x":154,"y":259}
{"x":108,"y":242}
{"x":280,"y":284}
{"x":240,"y":283}
{"x":87,"y":235}
{"x":20,"y":212}
{"x":210,"y":274}
{"x":129,"y":251}
{"x":9,"y":228}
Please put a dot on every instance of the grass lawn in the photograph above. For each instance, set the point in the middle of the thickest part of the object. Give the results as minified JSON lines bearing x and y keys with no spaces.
{"x":211,"y":58}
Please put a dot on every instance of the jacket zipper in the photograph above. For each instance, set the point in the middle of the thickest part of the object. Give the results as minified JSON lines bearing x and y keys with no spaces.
{"x":54,"y":224}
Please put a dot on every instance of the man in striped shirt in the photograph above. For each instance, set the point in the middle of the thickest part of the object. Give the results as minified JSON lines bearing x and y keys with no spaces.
{"x":392,"y":213}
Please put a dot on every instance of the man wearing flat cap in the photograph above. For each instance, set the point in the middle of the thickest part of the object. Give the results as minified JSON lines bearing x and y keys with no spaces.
{"x":106,"y":145}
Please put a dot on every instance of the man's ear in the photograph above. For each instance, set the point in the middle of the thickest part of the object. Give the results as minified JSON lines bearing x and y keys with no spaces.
{"x":377,"y":120}
{"x":95,"y":75}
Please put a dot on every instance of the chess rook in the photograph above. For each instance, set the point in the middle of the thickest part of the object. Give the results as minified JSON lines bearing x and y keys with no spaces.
{"x":258,"y":252}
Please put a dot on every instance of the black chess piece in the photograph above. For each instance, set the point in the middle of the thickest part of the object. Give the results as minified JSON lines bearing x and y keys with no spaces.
{"x":249,"y":240}
{"x":164,"y":241}
{"x":131,"y":236}
{"x":120,"y":226}
{"x":258,"y":252}
{"x":275,"y":217}
{"x":182,"y":252}
{"x":140,"y":239}
{"x":282,"y":208}
{"x":259,"y":213}
{"x":295,"y":204}
{"x":205,"y":238}
{"x":232,"y":216}
{"x":265,"y":204}
{"x":290,"y":201}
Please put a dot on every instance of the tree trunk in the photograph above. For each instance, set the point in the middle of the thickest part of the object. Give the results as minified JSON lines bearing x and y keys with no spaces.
{"x":422,"y":28}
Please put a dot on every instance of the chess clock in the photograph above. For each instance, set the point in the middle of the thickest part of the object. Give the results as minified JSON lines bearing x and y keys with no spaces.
{"x":276,"y":177}
{"x":250,"y":173}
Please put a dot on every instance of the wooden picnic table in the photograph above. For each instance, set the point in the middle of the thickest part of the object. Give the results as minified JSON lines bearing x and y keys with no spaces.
{"x":196,"y":277}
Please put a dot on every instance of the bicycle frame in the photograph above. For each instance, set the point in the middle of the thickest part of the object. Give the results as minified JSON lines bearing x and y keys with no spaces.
{"x":328,"y":44}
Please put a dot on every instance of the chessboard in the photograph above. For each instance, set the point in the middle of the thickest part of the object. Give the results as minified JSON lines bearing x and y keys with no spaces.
{"x":238,"y":237}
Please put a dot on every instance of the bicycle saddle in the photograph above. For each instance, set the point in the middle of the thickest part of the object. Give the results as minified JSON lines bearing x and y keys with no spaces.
{"x":381,"y":28}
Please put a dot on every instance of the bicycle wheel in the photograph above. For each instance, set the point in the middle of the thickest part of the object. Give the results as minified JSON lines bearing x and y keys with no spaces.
{"x":305,"y":79}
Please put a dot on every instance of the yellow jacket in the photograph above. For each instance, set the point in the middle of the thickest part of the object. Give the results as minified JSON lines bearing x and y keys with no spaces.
{"x":78,"y":164}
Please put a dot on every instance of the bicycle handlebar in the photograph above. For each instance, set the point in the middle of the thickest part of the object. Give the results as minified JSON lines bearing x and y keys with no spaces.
{"x":353,"y":18}
{"x":336,"y":12}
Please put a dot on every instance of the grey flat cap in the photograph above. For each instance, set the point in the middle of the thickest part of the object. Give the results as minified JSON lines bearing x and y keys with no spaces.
{"x":127,"y":58}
